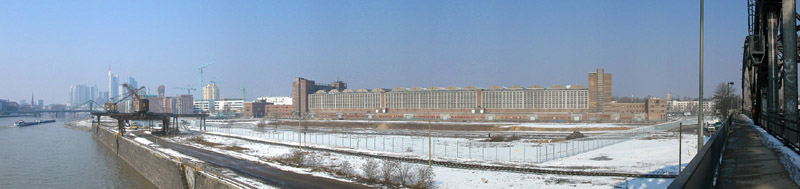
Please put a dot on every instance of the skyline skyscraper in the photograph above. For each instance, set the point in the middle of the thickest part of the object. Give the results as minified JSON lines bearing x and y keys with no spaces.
{"x":80,"y":94}
{"x":102,"y":97}
{"x":113,"y":86}
{"x":132,"y":82}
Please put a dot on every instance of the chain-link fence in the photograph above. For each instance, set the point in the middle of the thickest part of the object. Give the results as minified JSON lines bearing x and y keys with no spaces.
{"x":464,"y":149}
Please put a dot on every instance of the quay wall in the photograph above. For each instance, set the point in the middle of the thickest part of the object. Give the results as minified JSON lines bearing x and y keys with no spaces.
{"x":161,"y":169}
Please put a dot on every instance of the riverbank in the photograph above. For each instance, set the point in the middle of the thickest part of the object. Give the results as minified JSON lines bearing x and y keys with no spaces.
{"x":162,"y":169}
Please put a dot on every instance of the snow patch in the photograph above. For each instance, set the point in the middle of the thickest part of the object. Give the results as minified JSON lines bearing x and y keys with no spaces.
{"x":789,"y":158}
{"x":143,"y":141}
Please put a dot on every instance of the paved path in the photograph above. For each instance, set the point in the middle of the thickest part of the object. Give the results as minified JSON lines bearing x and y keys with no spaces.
{"x":270,"y":175}
{"x":747,"y":163}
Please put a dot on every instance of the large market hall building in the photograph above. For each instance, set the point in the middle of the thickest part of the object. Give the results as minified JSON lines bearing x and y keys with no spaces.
{"x":532,"y":103}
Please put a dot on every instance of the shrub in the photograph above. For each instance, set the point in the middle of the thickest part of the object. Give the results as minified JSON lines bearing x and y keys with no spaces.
{"x":371,"y":170}
{"x":388,"y":169}
{"x":345,"y":169}
{"x":424,"y":177}
{"x":312,"y":160}
{"x":405,"y":174}
{"x":295,"y":157}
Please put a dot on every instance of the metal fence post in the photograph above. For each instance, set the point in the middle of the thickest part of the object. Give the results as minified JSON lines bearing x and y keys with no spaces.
{"x":402,"y":143}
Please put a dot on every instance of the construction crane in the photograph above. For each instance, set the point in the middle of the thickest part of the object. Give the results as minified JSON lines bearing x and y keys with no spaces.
{"x":201,"y":72}
{"x":188,"y":89}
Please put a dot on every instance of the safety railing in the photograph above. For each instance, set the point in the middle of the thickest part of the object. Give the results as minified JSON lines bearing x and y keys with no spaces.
{"x":702,"y":170}
{"x":783,"y":129}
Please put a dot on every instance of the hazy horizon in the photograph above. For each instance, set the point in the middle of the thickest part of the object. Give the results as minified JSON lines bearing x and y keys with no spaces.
{"x":651,"y":48}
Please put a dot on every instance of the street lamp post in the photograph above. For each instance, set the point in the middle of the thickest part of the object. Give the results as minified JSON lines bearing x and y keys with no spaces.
{"x":700,"y":118}
{"x":730,"y":98}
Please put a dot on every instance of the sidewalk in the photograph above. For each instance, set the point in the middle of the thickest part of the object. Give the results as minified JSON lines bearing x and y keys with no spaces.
{"x":748,"y":163}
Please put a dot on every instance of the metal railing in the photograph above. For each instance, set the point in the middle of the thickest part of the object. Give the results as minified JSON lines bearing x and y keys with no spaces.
{"x":447,"y":147}
{"x":783,"y":129}
{"x":702,"y":170}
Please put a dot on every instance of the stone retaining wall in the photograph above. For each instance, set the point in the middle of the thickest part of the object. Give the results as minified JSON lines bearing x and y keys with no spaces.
{"x":162,"y":170}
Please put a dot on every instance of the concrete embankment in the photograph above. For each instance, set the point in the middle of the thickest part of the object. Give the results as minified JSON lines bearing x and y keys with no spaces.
{"x":161,"y":169}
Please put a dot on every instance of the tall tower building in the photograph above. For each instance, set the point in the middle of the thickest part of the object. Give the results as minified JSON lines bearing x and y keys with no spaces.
{"x":211,"y":92}
{"x":113,"y":86}
{"x":599,"y":90}
{"x":160,"y":90}
{"x":132,"y":82}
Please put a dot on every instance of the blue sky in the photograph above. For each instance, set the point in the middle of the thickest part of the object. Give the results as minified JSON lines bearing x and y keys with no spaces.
{"x":650,"y":47}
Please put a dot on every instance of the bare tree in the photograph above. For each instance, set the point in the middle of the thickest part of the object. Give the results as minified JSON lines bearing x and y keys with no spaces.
{"x":725,"y":100}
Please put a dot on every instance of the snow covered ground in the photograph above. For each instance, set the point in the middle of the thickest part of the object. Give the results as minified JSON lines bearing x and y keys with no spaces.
{"x":445,"y":177}
{"x":443,"y":147}
{"x":173,"y":153}
{"x":655,"y":156}
{"x":461,"y":149}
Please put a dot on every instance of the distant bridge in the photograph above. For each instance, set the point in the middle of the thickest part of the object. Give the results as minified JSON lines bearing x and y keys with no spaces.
{"x":60,"y":111}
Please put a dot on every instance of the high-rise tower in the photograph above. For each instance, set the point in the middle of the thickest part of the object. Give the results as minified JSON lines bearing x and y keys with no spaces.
{"x":113,"y":86}
{"x":211,"y":92}
{"x":599,"y":90}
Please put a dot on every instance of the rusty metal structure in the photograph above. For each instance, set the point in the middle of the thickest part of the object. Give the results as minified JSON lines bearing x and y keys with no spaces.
{"x":769,"y":68}
{"x":140,"y":111}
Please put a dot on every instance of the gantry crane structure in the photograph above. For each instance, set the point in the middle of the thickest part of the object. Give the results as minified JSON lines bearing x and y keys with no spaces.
{"x":141,"y":112}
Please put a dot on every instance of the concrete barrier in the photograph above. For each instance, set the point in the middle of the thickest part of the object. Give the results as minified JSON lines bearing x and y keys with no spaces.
{"x":159,"y":168}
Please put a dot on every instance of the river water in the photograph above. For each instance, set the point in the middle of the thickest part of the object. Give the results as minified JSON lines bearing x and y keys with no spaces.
{"x":52,"y":156}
